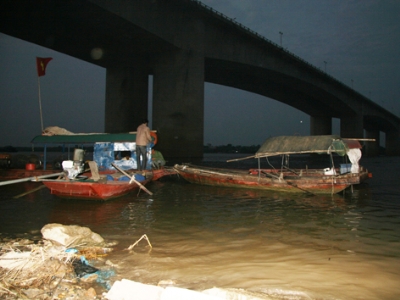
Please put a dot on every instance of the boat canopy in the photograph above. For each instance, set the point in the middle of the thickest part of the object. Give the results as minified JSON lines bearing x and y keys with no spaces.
{"x":102,"y":155}
{"x":90,"y":138}
{"x":306,"y":144}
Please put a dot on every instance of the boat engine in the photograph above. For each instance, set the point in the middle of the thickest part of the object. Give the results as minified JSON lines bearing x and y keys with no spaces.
{"x":74,"y":167}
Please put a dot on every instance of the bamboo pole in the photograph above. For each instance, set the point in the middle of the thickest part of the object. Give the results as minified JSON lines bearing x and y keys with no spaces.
{"x":361,"y":139}
{"x":133,"y":179}
{"x":242,"y":158}
{"x":33,"y":178}
{"x":40,"y":104}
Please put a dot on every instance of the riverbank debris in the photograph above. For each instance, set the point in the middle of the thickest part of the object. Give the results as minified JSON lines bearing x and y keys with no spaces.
{"x":48,"y":270}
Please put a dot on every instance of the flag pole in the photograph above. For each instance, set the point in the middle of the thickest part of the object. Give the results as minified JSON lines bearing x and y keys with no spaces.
{"x":41,"y":63}
{"x":40,"y":104}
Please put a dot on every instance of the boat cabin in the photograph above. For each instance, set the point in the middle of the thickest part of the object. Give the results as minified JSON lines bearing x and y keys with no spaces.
{"x":108,"y":148}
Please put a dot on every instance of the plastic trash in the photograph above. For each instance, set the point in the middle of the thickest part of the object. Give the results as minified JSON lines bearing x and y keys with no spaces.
{"x":82,"y":267}
{"x":71,"y":250}
{"x":103,"y":277}
{"x":124,"y":178}
{"x":139,"y":177}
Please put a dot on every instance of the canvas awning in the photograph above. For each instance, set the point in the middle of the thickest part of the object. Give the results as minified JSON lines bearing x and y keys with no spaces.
{"x":81,"y":139}
{"x":306,"y":144}
{"x":84,"y":138}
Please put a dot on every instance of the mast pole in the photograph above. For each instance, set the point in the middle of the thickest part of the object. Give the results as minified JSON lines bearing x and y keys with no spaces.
{"x":40,"y":104}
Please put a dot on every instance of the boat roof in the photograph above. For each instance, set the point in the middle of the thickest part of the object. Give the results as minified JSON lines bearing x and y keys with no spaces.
{"x":306,"y":144}
{"x":81,"y":138}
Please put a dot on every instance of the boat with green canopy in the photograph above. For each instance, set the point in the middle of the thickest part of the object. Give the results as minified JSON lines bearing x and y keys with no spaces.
{"x":329,"y":179}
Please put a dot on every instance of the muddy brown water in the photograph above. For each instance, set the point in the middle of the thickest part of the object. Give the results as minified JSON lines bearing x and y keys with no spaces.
{"x":288,"y":246}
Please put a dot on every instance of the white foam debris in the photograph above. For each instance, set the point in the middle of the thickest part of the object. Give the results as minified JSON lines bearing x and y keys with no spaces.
{"x":131,"y":290}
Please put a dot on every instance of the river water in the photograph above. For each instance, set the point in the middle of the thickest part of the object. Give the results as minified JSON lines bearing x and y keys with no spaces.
{"x":280,"y":246}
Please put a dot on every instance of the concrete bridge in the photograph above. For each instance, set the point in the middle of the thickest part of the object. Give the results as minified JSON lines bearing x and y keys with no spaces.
{"x":183,"y":44}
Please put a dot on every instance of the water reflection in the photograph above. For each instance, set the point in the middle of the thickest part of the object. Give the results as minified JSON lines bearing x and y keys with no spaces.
{"x":87,"y":213}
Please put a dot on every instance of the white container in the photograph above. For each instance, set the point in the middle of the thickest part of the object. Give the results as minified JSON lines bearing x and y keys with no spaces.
{"x":329,"y":171}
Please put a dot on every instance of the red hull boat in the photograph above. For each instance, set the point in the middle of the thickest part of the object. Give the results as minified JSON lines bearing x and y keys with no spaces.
{"x":310,"y":181}
{"x":284,"y":179}
{"x":90,"y":189}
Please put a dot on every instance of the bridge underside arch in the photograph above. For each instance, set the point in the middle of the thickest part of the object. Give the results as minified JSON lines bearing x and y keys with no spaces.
{"x":319,"y":104}
{"x":289,"y":90}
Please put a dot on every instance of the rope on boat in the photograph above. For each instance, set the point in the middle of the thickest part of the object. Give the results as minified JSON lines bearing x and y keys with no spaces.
{"x":334,"y":168}
{"x":283,"y":157}
{"x":270,"y":163}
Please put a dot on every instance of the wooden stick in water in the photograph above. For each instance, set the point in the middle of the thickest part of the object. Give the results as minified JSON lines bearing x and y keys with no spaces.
{"x":144,"y":236}
{"x":31,"y":191}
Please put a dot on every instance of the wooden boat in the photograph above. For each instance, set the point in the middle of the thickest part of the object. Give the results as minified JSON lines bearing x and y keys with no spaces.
{"x":284,"y":179}
{"x":113,"y":156}
{"x":19,"y":166}
{"x":108,"y":149}
{"x":108,"y":186}
{"x":164,"y":171}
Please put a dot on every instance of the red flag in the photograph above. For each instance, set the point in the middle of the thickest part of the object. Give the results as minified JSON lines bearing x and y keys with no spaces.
{"x":41,"y":64}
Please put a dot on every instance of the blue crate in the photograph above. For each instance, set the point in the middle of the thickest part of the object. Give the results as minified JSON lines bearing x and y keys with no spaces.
{"x":345,"y":168}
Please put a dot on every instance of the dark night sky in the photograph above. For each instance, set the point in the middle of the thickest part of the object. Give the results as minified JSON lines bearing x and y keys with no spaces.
{"x":358,"y":39}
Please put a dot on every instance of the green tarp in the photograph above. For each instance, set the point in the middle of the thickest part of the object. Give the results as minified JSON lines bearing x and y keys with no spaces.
{"x":305,"y":144}
{"x":84,"y":138}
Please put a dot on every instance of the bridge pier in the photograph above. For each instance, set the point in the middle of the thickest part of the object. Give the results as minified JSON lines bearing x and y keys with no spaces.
{"x":126,"y":97}
{"x":352,"y":126}
{"x":320,"y":125}
{"x":372,"y":148}
{"x":178,"y":103}
{"x":393,"y":143}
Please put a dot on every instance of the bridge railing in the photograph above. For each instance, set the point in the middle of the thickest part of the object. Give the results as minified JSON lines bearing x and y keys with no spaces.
{"x":259,"y":36}
{"x":294,"y":56}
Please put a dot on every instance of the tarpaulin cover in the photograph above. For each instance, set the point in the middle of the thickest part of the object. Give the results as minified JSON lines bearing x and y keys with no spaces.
{"x":306,"y":144}
{"x":84,"y":138}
